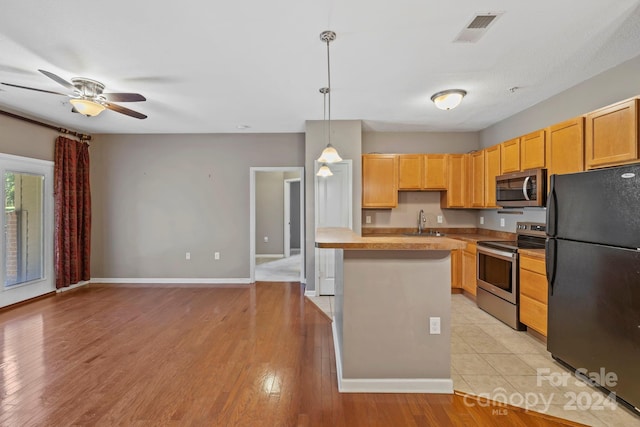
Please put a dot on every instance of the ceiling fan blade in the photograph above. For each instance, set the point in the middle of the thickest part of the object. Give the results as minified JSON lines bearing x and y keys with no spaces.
{"x":120,"y":109}
{"x":58,"y":79}
{"x":124,"y":97}
{"x":33,"y":88}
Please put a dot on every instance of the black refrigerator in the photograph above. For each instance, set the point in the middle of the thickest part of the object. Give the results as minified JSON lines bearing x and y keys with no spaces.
{"x":593,"y":270}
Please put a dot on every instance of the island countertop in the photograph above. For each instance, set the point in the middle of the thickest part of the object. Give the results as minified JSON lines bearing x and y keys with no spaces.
{"x":345,"y":238}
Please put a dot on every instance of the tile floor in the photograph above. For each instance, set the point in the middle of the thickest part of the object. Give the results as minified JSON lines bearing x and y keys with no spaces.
{"x":490,"y":359}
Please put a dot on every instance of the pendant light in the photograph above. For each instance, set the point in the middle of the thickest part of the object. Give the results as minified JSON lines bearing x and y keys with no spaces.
{"x":329,"y":154}
{"x":324,"y":170}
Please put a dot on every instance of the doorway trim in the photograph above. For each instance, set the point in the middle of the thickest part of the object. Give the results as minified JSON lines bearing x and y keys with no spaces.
{"x":287,"y":215}
{"x":252,"y":217}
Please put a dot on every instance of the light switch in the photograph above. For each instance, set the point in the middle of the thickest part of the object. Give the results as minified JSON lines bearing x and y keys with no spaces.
{"x":481,"y":220}
{"x":439,"y":219}
{"x":367,"y":219}
{"x":502,"y":222}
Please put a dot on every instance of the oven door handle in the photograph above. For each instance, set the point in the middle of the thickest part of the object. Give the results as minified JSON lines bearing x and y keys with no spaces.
{"x":524,"y":188}
{"x":500,"y":254}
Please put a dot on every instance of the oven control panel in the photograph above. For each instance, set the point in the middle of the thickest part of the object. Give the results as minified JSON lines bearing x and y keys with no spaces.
{"x":531,"y":228}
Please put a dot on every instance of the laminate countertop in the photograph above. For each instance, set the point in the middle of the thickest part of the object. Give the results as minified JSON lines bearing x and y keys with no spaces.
{"x":345,"y":238}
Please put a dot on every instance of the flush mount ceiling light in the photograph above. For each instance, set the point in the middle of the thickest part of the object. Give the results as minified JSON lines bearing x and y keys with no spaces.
{"x":448,"y":99}
{"x":87,"y":106}
{"x":329,"y":154}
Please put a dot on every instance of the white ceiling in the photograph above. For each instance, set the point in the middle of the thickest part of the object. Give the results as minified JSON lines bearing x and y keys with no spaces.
{"x":210,"y":66}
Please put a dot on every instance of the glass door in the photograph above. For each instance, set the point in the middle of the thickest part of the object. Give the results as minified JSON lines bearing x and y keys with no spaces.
{"x":26,"y":261}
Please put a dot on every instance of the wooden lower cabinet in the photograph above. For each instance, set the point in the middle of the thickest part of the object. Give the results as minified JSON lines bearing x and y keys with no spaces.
{"x":533,"y":293}
{"x":456,"y":269}
{"x":469,"y":268}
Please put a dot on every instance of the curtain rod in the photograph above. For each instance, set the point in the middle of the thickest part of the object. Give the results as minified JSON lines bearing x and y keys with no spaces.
{"x":82,"y":136}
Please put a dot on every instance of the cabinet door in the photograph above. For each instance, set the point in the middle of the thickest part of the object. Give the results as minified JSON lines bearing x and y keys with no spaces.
{"x":533,"y":293}
{"x":469,"y":269}
{"x":532,"y":150}
{"x":379,"y":181}
{"x":510,"y":156}
{"x":565,"y":147}
{"x":455,"y":196}
{"x":477,"y":179}
{"x":491,"y":170}
{"x":612,"y":135}
{"x":410,"y":171}
{"x":456,"y":269}
{"x":435,"y":172}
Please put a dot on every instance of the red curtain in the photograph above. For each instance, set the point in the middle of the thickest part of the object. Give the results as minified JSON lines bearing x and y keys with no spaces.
{"x":72,"y":212}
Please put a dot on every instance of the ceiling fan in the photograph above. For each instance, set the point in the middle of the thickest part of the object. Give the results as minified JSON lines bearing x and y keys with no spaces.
{"x":88,"y":97}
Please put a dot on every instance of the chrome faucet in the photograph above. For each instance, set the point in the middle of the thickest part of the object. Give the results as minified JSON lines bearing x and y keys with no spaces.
{"x":421,"y":221}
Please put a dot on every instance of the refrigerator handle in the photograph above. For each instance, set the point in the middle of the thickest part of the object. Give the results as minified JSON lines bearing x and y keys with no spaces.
{"x":550,"y":262}
{"x":524,"y":188}
{"x":552,"y":212}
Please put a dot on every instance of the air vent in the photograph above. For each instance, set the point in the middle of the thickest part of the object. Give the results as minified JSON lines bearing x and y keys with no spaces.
{"x":476,"y":28}
{"x":481,"y":21}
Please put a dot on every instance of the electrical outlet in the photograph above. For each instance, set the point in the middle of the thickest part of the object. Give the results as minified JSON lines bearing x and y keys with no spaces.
{"x":434,"y":325}
{"x":367,"y":219}
{"x":481,"y":220}
{"x":187,"y":256}
{"x":216,"y":255}
{"x":439,"y":219}
{"x":502,"y":222}
{"x":266,"y":239}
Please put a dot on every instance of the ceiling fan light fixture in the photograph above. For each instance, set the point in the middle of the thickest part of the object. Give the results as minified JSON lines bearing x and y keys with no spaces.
{"x":324,"y":171}
{"x":448,"y":99}
{"x":87,"y":106}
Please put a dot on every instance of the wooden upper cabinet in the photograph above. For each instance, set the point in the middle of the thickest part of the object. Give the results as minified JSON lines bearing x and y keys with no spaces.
{"x":491,"y":170}
{"x":510,"y":156}
{"x":435,"y":172}
{"x":410,"y":171}
{"x":532,"y":150}
{"x":455,"y":196}
{"x":565,"y":147}
{"x":612,"y":135}
{"x":422,"y":172}
{"x":379,"y":181}
{"x":476,"y":179}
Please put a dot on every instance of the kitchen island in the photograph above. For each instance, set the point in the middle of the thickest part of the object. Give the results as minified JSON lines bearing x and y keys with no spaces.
{"x":387,"y":289}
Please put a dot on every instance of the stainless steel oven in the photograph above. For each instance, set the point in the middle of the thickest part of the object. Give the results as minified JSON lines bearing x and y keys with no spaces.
{"x":497,"y":272}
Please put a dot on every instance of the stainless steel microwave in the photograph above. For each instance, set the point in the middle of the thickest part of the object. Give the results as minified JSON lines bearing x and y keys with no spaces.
{"x":522,"y":189}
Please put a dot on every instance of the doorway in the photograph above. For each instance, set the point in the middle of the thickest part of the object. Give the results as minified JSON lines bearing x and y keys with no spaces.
{"x":277,"y":224}
{"x":333,"y":208}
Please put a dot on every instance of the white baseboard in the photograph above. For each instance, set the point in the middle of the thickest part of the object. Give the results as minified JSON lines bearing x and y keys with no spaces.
{"x":270,"y":255}
{"x":76,"y":285}
{"x":386,"y":385}
{"x":309,"y":293}
{"x":160,"y":280}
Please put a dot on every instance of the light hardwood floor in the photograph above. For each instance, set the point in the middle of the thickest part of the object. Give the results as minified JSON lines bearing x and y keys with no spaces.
{"x":259,"y":355}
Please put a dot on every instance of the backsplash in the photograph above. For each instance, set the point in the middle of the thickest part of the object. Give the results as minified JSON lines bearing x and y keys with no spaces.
{"x":492,"y":218}
{"x":409,"y":205}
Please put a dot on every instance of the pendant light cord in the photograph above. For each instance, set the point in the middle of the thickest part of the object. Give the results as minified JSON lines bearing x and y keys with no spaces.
{"x":329,"y":87}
